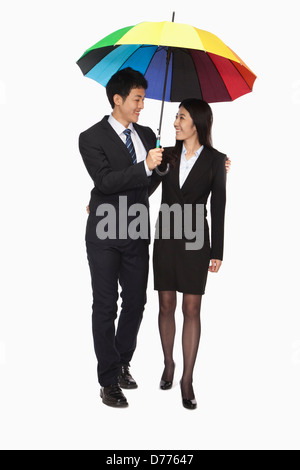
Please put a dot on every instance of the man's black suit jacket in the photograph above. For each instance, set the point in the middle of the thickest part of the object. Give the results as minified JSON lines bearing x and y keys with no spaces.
{"x":110,"y":166}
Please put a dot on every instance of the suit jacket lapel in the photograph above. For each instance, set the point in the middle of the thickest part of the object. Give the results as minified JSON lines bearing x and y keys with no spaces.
{"x":200,"y":167}
{"x":114,"y":136}
{"x":174,"y":175}
{"x":146,"y":143}
{"x":110,"y":132}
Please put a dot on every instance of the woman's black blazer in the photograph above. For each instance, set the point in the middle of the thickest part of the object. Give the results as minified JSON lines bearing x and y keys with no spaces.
{"x":207,"y":177}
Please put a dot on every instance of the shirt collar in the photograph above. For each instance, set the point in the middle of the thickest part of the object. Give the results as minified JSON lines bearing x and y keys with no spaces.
{"x":197,"y":153}
{"x":118,"y":127}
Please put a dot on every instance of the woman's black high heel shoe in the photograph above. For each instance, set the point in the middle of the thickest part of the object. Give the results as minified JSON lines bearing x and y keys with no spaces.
{"x":187,"y":403}
{"x":166,"y":385}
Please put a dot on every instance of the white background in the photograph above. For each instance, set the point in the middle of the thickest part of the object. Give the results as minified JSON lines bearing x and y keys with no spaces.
{"x":247,"y":379}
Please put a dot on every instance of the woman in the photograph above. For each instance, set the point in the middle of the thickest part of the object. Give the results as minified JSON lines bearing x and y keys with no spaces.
{"x":197,"y":171}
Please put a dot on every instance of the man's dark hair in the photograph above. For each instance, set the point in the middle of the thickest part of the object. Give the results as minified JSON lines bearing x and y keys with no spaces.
{"x":122,"y":82}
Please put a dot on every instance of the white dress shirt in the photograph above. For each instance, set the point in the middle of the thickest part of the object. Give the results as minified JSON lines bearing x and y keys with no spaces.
{"x":140,"y":150}
{"x":187,"y":165}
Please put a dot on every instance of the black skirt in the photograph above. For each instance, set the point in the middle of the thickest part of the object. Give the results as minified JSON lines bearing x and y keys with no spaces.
{"x":178,"y":269}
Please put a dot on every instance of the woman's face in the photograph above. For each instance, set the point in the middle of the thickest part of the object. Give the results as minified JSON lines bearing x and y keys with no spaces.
{"x":184,"y":125}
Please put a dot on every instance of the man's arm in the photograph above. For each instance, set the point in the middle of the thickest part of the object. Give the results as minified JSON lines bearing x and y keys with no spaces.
{"x":105,"y":179}
{"x":155,"y":182}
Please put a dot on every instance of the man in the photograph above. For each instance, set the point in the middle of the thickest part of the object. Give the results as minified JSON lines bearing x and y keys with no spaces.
{"x":119,"y":156}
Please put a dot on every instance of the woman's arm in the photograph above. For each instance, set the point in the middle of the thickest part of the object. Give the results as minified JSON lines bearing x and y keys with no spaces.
{"x":218,"y":203}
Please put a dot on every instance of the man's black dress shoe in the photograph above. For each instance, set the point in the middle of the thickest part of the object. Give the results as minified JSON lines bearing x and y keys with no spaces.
{"x":189,"y":404}
{"x":113,"y":396}
{"x":125,"y":379}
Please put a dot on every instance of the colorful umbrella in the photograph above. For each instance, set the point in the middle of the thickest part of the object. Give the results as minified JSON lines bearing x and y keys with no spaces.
{"x":179,"y":61}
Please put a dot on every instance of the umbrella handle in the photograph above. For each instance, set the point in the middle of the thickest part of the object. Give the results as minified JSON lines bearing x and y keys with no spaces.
{"x":161,"y":173}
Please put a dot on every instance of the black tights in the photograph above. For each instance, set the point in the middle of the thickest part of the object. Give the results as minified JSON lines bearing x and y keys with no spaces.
{"x":190,"y":336}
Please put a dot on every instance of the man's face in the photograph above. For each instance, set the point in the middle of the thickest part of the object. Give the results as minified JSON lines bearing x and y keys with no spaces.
{"x":128,"y":110}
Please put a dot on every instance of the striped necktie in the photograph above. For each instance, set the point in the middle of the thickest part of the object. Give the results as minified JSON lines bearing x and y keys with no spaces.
{"x":129,"y":145}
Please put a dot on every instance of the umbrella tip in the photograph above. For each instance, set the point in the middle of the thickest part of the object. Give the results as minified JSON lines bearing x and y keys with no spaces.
{"x":173,"y":18}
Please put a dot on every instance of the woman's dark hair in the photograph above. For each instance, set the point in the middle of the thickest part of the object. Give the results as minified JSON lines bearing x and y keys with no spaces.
{"x":202,"y":116}
{"x":122,"y":82}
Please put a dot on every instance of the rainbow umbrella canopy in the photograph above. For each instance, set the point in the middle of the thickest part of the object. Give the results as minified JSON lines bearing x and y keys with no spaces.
{"x":179,"y":61}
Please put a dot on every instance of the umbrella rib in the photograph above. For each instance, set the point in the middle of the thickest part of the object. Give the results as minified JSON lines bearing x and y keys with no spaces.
{"x":233,"y":63}
{"x":220,"y":76}
{"x":150,"y":61}
{"x":198,"y":78}
{"x":127,"y":58}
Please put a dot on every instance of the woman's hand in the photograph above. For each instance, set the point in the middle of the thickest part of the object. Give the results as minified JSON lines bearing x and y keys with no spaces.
{"x":227,"y":165}
{"x":88,"y":209}
{"x":215,"y":265}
